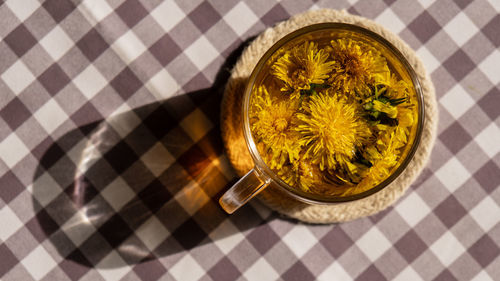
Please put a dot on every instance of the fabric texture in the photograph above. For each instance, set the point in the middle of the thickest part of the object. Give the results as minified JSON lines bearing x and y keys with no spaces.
{"x":112,"y":160}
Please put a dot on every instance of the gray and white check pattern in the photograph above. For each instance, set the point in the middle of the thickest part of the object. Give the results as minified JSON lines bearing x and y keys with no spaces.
{"x":111,"y":161}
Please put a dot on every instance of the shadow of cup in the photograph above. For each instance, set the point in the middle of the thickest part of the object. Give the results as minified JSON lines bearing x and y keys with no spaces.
{"x":140,"y":185}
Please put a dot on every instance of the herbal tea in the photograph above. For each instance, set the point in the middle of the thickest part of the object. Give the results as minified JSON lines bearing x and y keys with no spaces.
{"x":332,"y":117}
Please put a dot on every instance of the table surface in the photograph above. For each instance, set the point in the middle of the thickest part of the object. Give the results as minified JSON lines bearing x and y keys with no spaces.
{"x":111,"y":161}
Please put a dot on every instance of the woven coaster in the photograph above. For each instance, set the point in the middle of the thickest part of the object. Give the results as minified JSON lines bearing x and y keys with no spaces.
{"x":232,"y":129}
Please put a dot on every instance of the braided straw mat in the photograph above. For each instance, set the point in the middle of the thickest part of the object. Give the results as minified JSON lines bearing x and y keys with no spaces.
{"x":276,"y":199}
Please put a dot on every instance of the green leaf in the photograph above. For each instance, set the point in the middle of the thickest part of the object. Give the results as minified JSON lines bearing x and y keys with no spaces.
{"x":313,"y":87}
{"x":319,"y":86}
{"x":366,"y":162}
{"x":368,"y":106}
{"x":397,"y":101}
{"x":379,"y":90}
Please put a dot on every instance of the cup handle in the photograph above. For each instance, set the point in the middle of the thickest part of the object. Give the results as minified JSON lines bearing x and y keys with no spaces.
{"x":242,"y":191}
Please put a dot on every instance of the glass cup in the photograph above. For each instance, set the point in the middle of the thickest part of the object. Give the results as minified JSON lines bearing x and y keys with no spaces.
{"x":261,"y":176}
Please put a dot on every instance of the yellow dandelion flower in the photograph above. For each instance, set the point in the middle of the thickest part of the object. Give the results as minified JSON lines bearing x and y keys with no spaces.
{"x":405,"y":119}
{"x":400,"y":137}
{"x":357,"y":66}
{"x":309,"y":176}
{"x":398,"y":88}
{"x":333,"y":120}
{"x":331,"y":128}
{"x":372,"y":153}
{"x":306,"y":176}
{"x":384,"y":138}
{"x":302,"y":66}
{"x":387,"y":108}
{"x":383,"y":127}
{"x":288,"y":173}
{"x":383,"y":158}
{"x":405,"y":116}
{"x":271,"y":125}
{"x":388,"y":150}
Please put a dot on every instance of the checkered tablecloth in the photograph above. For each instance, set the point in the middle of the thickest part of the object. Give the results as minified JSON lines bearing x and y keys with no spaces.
{"x":111,"y":160}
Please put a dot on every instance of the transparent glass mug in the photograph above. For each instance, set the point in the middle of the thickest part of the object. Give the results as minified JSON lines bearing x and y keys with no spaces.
{"x":261,"y":176}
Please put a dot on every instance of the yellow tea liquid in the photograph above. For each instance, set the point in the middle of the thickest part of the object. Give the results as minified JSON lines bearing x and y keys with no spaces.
{"x":334,"y":114}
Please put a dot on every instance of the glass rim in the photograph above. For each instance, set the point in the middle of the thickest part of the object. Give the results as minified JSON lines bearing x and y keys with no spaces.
{"x":259,"y":164}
